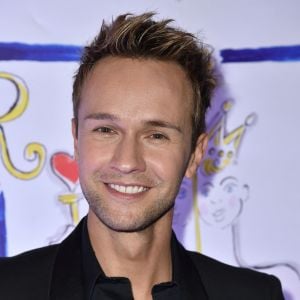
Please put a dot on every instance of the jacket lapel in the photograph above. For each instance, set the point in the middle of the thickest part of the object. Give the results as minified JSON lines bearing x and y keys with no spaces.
{"x":186,"y":273}
{"x":66,"y":279}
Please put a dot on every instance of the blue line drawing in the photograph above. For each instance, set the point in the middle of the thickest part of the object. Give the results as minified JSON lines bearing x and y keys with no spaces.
{"x":38,"y":52}
{"x":275,"y":54}
{"x":3,"y":250}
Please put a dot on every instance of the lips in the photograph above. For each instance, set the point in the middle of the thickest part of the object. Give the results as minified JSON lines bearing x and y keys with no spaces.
{"x":128,"y":189}
{"x":219,"y":215}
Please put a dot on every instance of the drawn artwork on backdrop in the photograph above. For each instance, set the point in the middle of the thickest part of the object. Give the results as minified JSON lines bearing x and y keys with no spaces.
{"x":221,"y":203}
{"x":221,"y":206}
{"x":182,"y":208}
{"x":64,"y":166}
{"x":222,"y":151}
{"x":3,"y":249}
{"x":223,"y":147}
{"x":34,"y":152}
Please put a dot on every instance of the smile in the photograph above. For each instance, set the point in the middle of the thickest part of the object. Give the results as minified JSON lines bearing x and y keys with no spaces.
{"x":128,"y":189}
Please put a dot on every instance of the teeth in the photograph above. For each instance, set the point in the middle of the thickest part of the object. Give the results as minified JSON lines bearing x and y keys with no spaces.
{"x":127,"y":189}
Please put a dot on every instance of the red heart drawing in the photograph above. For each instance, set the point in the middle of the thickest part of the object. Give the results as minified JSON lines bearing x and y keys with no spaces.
{"x":65,"y":167}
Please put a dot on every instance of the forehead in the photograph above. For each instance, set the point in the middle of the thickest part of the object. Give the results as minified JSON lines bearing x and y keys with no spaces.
{"x":137,"y":86}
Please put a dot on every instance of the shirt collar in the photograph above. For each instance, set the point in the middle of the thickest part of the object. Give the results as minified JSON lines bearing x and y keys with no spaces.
{"x":185,"y":275}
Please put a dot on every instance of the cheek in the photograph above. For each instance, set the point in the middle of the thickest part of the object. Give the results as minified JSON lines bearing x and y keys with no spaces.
{"x":166,"y":163}
{"x":162,"y":167}
{"x":204,"y":209}
{"x":92,"y":155}
{"x":234,"y":205}
{"x":233,"y":201}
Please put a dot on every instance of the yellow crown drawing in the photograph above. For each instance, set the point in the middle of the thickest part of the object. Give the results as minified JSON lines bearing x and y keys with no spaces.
{"x":223,"y":146}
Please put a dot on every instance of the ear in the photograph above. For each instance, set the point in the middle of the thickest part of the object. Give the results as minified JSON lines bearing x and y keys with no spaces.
{"x":245,"y":192}
{"x":75,"y":137}
{"x":197,"y":155}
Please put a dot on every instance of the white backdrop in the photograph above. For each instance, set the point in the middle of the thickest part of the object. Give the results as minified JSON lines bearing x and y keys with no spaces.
{"x":246,"y":208}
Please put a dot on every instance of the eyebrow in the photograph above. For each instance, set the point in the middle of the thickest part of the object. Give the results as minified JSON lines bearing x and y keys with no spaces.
{"x":228,"y":179}
{"x":102,"y":116}
{"x":163,"y":124}
{"x":153,"y":123}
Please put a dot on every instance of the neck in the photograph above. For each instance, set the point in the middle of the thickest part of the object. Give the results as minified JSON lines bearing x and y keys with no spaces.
{"x":144,"y":257}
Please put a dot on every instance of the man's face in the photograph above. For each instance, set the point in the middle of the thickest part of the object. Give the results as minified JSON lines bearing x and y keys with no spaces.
{"x":134,"y":140}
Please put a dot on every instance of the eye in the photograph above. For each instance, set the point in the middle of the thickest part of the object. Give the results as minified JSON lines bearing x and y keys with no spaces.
{"x":229,"y":188}
{"x":158,"y":136}
{"x":104,"y":130}
{"x":206,"y":191}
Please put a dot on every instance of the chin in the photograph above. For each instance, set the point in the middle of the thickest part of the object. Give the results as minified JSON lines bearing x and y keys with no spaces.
{"x":125,"y":226}
{"x":131,"y":222}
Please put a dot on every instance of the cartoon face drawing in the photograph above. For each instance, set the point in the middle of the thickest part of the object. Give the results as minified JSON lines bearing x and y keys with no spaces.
{"x":221,"y":204}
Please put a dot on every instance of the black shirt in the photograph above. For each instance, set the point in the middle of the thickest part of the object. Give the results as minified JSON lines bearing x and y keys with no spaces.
{"x":97,"y":286}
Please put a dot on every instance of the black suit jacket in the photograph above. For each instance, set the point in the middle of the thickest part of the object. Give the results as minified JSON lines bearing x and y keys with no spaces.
{"x":55,"y":273}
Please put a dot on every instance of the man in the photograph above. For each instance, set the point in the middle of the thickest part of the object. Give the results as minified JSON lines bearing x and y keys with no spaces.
{"x":139,"y":99}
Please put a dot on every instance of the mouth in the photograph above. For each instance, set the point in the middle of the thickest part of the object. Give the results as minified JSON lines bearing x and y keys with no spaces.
{"x":128,"y":189}
{"x":219,"y":215}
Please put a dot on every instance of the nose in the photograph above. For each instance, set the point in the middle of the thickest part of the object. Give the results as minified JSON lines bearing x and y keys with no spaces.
{"x":216,"y":200}
{"x":128,"y":156}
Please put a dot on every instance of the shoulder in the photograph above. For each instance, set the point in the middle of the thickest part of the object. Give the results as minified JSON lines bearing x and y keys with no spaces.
{"x":36,"y":260}
{"x":28,"y":273}
{"x":234,"y":282}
